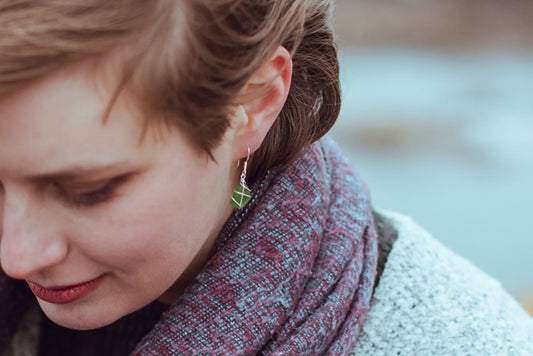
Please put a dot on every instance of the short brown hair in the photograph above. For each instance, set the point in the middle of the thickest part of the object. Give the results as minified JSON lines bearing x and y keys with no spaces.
{"x":190,"y":61}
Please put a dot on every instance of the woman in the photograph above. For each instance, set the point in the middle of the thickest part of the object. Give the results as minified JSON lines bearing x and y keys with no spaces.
{"x":166,"y":190}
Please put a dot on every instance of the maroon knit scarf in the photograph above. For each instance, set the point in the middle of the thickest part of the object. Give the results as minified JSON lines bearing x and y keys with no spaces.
{"x":291,"y":274}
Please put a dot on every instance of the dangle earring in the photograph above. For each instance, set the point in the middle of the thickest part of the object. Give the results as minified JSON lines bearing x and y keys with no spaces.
{"x":242,"y":194}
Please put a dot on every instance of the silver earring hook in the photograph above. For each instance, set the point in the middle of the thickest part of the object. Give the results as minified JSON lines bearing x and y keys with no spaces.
{"x":241,"y":195}
{"x":243,"y":175}
{"x":247,"y":158}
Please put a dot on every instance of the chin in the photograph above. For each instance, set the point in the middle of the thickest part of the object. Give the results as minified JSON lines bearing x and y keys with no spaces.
{"x":82,"y":316}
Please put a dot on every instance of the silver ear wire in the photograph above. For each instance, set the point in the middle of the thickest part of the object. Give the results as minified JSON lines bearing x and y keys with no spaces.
{"x":242,"y":194}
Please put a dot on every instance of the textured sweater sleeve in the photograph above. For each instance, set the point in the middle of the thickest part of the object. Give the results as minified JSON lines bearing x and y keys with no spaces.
{"x":432,"y":302}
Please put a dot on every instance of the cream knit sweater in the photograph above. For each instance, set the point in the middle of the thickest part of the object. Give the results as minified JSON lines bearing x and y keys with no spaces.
{"x":432,"y":302}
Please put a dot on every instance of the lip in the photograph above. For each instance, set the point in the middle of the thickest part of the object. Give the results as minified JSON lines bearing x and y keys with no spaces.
{"x":65,"y":294}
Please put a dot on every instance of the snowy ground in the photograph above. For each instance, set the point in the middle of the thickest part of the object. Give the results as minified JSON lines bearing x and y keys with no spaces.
{"x":448,"y":139}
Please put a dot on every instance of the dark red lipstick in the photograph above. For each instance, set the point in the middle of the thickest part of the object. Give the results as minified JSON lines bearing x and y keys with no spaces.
{"x":65,"y":294}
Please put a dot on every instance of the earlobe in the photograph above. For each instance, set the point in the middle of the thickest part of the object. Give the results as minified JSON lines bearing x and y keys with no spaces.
{"x":268,"y":89}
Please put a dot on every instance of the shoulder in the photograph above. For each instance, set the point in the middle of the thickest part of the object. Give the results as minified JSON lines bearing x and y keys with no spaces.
{"x":430,"y":301}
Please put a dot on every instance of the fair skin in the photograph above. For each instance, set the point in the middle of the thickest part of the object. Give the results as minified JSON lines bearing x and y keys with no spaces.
{"x":83,"y":198}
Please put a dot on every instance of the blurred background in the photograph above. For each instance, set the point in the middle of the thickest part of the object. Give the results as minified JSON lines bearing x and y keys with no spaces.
{"x":438,"y":118}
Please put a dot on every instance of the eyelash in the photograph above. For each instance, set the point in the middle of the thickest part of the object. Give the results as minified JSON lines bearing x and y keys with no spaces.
{"x":95,"y":197}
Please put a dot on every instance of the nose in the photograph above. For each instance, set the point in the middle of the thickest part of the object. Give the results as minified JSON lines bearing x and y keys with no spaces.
{"x":28,"y":243}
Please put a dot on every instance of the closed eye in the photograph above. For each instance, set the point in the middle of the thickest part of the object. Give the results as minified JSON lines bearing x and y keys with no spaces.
{"x":89,"y":194}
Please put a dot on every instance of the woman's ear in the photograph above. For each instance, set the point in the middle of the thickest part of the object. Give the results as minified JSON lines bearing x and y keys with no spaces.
{"x":268,"y":89}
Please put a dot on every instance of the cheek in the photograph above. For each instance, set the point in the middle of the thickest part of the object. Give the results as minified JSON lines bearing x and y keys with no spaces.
{"x":158,"y":229}
{"x":133,"y":240}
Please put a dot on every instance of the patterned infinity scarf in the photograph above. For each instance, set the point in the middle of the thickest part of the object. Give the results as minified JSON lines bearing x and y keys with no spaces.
{"x":291,"y":274}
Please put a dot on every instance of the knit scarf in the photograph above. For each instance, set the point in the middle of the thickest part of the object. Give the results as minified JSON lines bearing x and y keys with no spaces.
{"x":290,"y":274}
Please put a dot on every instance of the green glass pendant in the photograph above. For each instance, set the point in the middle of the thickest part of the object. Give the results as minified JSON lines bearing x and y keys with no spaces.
{"x":241,"y":196}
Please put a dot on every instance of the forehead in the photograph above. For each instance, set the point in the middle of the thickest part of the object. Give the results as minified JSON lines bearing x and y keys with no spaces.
{"x":61,"y":117}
